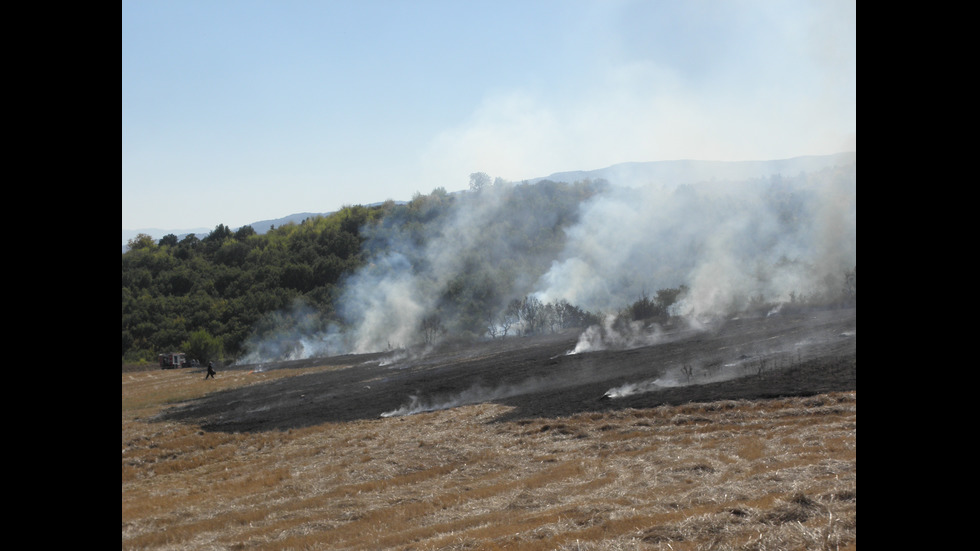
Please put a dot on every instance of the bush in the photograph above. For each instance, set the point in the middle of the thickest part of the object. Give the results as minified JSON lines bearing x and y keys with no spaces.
{"x":203,"y":347}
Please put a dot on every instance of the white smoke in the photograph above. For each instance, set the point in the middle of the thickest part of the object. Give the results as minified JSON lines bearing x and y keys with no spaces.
{"x":772,"y":238}
{"x":730,"y":242}
{"x":617,"y":334}
{"x":476,"y":394}
{"x":630,"y":389}
{"x":385,"y":303}
{"x":294,"y":334}
{"x":712,"y":370}
{"x":676,"y":377}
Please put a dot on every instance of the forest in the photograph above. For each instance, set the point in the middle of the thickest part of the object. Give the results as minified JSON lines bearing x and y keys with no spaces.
{"x":498,"y":260}
{"x":210,"y":296}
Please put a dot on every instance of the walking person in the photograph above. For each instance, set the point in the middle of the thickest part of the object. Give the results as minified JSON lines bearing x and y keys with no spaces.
{"x":210,"y":371}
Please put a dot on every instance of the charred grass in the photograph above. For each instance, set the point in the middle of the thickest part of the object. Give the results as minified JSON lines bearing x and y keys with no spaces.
{"x":727,"y":475}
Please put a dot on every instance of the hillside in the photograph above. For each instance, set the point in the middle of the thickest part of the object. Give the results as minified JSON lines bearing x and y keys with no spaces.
{"x":509,"y":444}
{"x":805,"y":352}
{"x":529,"y":258}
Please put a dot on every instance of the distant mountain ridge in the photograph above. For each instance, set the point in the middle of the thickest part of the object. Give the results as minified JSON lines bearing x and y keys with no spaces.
{"x":629,"y":174}
{"x":689,"y":172}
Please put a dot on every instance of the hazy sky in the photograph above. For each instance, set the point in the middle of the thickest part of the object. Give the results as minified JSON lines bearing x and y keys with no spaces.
{"x":235,"y":111}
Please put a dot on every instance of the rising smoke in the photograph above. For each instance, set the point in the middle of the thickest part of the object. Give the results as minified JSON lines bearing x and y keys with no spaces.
{"x":711,"y":369}
{"x":616,"y":333}
{"x":726,"y":241}
{"x":459,"y":269}
{"x":476,"y":394}
{"x":295,"y":334}
{"x":767,"y":239}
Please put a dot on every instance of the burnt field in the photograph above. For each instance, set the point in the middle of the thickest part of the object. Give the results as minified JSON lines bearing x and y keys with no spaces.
{"x":735,"y":437}
{"x":780,"y":354}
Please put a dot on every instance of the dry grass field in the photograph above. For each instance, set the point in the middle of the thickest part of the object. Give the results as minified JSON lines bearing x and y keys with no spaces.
{"x":729,"y":474}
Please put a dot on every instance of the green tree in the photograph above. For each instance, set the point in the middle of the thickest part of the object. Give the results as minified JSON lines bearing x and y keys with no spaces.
{"x":644,"y":308}
{"x":479,"y":181}
{"x":244,"y":233}
{"x":298,"y":277}
{"x":668,"y":297}
{"x":231,"y":253}
{"x":218,"y":234}
{"x":190,"y":240}
{"x":202,"y":346}
{"x":141,"y":241}
{"x":531,"y":313}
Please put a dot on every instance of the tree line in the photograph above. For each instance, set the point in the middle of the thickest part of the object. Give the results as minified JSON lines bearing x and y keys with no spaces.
{"x":208,"y":296}
{"x":474,"y":259}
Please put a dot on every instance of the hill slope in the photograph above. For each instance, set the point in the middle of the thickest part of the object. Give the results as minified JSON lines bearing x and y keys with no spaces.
{"x":724,"y":470}
{"x":788,"y":354}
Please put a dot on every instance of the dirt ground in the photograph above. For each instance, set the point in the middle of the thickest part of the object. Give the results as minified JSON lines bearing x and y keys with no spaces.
{"x":797,"y":353}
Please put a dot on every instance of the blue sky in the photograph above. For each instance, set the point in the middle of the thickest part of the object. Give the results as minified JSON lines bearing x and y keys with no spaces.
{"x":235,"y":111}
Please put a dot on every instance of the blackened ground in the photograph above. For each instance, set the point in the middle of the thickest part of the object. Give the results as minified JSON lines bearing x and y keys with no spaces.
{"x":764,"y":356}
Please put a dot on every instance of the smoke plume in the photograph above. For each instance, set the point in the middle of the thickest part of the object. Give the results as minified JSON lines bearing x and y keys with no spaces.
{"x":727,"y":241}
{"x":448,"y":263}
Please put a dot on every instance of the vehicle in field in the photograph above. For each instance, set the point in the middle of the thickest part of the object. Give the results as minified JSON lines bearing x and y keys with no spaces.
{"x":172,"y":360}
